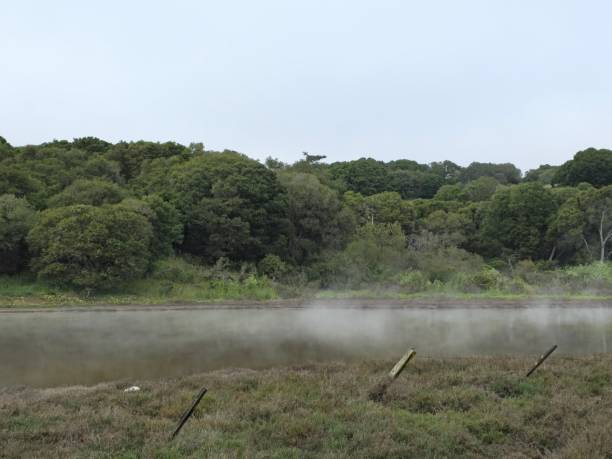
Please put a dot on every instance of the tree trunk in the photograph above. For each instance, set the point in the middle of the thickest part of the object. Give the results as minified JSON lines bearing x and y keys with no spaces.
{"x":602,"y":251}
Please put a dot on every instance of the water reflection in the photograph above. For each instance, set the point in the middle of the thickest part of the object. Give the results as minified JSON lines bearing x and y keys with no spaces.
{"x":46,"y":349}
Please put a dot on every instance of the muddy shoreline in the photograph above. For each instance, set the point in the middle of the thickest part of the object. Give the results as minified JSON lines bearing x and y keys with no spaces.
{"x":352,"y":303}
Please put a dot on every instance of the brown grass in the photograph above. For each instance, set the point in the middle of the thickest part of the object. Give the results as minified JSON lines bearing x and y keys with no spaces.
{"x":468,"y":407}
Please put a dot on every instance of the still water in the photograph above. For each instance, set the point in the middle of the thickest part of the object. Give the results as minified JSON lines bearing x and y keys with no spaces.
{"x":65,"y":348}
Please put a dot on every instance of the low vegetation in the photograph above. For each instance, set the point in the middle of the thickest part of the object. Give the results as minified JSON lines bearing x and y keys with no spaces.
{"x":176,"y":281}
{"x":466,"y":407}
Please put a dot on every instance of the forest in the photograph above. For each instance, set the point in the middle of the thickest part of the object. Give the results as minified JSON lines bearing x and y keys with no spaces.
{"x":90,"y":216}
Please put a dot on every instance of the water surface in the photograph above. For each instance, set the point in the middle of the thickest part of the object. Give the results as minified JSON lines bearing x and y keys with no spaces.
{"x":62,"y":348}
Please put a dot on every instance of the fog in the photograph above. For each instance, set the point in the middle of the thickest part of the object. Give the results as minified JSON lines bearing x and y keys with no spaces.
{"x":65,"y":348}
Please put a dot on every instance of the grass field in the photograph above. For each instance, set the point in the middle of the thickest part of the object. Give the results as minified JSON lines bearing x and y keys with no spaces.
{"x":468,"y":407}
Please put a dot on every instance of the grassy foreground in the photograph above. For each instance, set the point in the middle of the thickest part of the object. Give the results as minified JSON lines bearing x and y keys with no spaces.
{"x":469,"y":407}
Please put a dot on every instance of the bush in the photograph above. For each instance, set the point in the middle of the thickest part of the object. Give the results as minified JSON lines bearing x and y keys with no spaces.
{"x":487,"y":278}
{"x":413,"y":281}
{"x":272,"y":266}
{"x":175,"y":269}
{"x":594,"y":277}
{"x":90,"y":247}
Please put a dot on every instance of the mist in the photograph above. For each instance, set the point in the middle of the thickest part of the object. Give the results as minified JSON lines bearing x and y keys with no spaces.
{"x":68,"y":348}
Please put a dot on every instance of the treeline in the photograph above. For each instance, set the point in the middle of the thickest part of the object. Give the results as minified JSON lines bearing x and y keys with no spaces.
{"x":91,"y":214}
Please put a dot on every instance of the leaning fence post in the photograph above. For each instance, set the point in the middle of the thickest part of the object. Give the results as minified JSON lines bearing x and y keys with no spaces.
{"x":186,"y":415}
{"x":541,"y":360}
{"x":378,"y":392}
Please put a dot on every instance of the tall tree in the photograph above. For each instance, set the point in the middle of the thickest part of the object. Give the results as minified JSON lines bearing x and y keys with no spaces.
{"x":518,"y":219}
{"x":591,"y":166}
{"x":318,"y":220}
{"x":16,"y":219}
{"x":233,"y":206}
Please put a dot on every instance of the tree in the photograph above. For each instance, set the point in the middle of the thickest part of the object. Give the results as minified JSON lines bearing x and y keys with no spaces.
{"x":91,"y":144}
{"x":16,"y":219}
{"x":447,"y":170}
{"x":312,"y":158}
{"x":543,"y":174}
{"x":599,"y":217}
{"x":453,"y":192}
{"x":90,"y":247}
{"x":411,"y":184}
{"x":591,"y":166}
{"x":94,"y":192}
{"x":233,"y":207}
{"x":375,"y":252}
{"x":130,"y":156}
{"x":583,"y":225}
{"x":504,"y":173}
{"x":480,"y":189}
{"x":366,"y":175}
{"x":518,"y":219}
{"x":165,"y":221}
{"x":103,"y":168}
{"x":318,"y":221}
{"x":19,"y":183}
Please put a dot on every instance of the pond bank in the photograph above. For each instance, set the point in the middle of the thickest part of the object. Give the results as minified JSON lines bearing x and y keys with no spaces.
{"x":349,"y":303}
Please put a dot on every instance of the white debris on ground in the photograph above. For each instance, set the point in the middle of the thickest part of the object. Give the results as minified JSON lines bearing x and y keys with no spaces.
{"x":132,"y":389}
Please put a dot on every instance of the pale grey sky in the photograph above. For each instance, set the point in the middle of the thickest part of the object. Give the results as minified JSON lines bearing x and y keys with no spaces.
{"x":521,"y":81}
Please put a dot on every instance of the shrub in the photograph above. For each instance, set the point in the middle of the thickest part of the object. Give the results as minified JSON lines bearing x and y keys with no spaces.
{"x":272,"y":266}
{"x":90,"y":247}
{"x":413,"y":281}
{"x":487,"y":278}
{"x":594,"y":277}
{"x":175,"y":269}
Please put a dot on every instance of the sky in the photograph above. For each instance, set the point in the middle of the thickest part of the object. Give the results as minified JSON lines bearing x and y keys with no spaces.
{"x":528,"y":82}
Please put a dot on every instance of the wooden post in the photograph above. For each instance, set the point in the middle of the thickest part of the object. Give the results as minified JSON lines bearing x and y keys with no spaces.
{"x":401,"y":364}
{"x":187,"y":414}
{"x":377,"y":393}
{"x":541,"y":360}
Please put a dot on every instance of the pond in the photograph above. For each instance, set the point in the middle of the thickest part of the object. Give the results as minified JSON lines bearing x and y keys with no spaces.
{"x":66,"y":348}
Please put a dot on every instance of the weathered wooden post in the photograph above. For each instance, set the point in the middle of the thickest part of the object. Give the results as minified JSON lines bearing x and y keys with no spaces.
{"x":378,"y":392}
{"x":187,"y":414}
{"x":401,"y":364}
{"x":541,"y":360}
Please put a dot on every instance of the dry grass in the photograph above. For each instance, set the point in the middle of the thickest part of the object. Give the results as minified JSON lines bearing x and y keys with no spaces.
{"x":469,"y":407}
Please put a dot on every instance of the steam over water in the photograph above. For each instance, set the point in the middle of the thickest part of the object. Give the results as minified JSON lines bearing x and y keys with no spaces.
{"x":62,"y":348}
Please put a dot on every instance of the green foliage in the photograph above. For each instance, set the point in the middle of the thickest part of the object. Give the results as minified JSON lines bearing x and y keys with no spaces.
{"x":90,"y":247}
{"x":517,"y":220}
{"x":318,"y":221}
{"x":365,"y":175}
{"x":16,"y":219}
{"x":177,"y":278}
{"x":93,"y":192}
{"x":231,"y":203}
{"x":130,"y":156}
{"x":591,"y":166}
{"x":503,"y":173}
{"x":296,"y":222}
{"x":272,"y":266}
{"x":413,"y":281}
{"x":543,"y":174}
{"x":165,"y":221}
{"x":487,"y":278}
{"x":374,"y":254}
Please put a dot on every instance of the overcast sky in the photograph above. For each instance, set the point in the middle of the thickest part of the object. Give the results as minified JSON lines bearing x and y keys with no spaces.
{"x":527,"y":82}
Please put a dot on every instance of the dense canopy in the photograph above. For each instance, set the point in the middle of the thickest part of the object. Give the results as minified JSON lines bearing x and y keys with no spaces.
{"x":93,"y":214}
